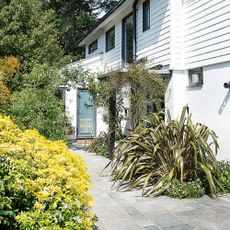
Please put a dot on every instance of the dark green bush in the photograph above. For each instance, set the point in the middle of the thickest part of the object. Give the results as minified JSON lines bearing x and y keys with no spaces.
{"x":224,"y":177}
{"x":99,"y":145}
{"x":39,"y":104}
{"x":181,"y":190}
{"x":41,"y":110}
{"x":104,"y":152}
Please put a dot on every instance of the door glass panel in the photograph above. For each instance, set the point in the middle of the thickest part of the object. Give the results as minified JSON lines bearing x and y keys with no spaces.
{"x":86,"y":114}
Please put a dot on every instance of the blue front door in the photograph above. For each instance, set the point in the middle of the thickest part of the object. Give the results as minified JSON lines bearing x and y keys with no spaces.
{"x":86,"y":125}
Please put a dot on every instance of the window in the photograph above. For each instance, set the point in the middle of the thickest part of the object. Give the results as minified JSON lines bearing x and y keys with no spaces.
{"x":127,"y":40}
{"x":196,"y":77}
{"x":110,"y":39}
{"x":93,"y":47}
{"x":146,"y":15}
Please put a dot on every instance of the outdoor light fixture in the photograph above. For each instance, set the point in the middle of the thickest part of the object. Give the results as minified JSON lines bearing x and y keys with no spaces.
{"x":196,"y":77}
{"x":227,"y":85}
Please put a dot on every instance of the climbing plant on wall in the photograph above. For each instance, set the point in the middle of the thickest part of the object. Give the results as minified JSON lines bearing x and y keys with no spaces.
{"x":128,"y":95}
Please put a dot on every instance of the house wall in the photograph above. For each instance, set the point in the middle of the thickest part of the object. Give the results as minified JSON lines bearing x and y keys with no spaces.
{"x":205,"y":42}
{"x":155,"y":42}
{"x":209,"y":104}
{"x":111,"y":60}
{"x":100,"y":46}
{"x":206,"y":32}
{"x":71,"y":108}
{"x":184,"y":34}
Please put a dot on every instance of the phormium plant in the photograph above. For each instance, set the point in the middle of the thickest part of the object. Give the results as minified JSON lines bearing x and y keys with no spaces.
{"x":158,"y":152}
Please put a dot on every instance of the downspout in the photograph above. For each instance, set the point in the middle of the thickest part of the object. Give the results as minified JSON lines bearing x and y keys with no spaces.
{"x":135,"y":30}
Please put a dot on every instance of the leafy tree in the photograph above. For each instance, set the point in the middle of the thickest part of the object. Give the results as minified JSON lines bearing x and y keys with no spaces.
{"x":75,"y":18}
{"x":8,"y":67}
{"x":28,"y":32}
{"x":104,"y":4}
{"x":39,"y":104}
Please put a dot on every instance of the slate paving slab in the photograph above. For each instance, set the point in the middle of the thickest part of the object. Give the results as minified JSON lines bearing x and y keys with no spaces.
{"x":117,"y":210}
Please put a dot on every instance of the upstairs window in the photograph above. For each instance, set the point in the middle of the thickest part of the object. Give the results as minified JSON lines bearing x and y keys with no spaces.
{"x":93,"y":47}
{"x":146,"y":15}
{"x":196,"y":77}
{"x":110,"y":39}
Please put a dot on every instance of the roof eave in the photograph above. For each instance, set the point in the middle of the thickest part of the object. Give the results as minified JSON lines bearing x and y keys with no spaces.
{"x":102,"y":22}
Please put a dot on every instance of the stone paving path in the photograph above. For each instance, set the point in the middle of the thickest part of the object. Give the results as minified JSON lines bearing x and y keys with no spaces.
{"x":129,"y":211}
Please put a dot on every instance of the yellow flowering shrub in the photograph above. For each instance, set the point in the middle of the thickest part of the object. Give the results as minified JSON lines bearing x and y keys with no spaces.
{"x":42,"y":184}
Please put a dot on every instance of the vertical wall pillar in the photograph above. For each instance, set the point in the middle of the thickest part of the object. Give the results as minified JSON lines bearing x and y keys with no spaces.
{"x":175,"y":97}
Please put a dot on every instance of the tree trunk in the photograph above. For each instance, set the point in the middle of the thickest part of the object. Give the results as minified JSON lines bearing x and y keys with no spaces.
{"x":112,"y":124}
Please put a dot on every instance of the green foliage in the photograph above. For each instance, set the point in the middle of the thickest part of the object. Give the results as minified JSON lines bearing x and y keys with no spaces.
{"x":41,"y":110}
{"x":8,"y":67}
{"x":99,"y":145}
{"x":77,"y":77}
{"x":42,"y":184}
{"x":126,"y":96}
{"x":75,"y":18}
{"x":224,"y":176}
{"x":158,"y":152}
{"x":181,"y":190}
{"x":28,"y":32}
{"x":104,"y":152}
{"x":39,"y":106}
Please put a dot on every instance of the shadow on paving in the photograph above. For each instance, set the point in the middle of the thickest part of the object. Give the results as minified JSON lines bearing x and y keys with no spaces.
{"x":117,"y":210}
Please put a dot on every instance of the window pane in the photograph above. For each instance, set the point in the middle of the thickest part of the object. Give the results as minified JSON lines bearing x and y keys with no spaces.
{"x":110,"y":39}
{"x":146,"y":15}
{"x":127,"y":40}
{"x":86,"y":114}
{"x":93,"y":47}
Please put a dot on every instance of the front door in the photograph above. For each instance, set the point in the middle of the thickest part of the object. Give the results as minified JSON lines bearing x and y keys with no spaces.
{"x":127,"y":40}
{"x":86,"y":125}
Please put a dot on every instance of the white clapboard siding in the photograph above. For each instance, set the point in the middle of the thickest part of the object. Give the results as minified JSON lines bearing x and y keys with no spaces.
{"x":114,"y":55}
{"x":100,"y":48}
{"x":155,"y":42}
{"x":112,"y":58}
{"x":206,"y":32}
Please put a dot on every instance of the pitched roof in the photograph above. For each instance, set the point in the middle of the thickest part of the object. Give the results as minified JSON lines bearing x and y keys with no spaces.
{"x":110,"y":12}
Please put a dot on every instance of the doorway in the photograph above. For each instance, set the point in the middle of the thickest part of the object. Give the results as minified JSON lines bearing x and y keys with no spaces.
{"x":86,"y":111}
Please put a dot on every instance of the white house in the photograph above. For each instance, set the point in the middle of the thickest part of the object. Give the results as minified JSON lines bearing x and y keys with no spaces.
{"x":188,"y":40}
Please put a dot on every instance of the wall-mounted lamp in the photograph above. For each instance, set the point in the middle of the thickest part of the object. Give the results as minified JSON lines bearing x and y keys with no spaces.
{"x":227,"y":85}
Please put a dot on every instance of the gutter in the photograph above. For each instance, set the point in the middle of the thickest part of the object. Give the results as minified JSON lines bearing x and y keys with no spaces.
{"x":135,"y":30}
{"x":108,"y":14}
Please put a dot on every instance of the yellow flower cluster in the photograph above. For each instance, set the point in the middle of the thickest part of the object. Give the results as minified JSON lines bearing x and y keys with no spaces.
{"x":52,"y":181}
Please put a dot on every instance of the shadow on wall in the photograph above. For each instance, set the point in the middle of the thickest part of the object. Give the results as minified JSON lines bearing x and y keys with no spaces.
{"x":224,"y":103}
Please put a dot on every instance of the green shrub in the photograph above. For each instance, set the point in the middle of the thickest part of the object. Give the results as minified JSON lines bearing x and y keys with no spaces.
{"x":99,"y":144}
{"x":158,"y":152}
{"x":104,"y":152}
{"x":181,"y":190}
{"x":42,"y":184}
{"x":41,"y":110}
{"x":39,"y":103}
{"x":224,"y":177}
